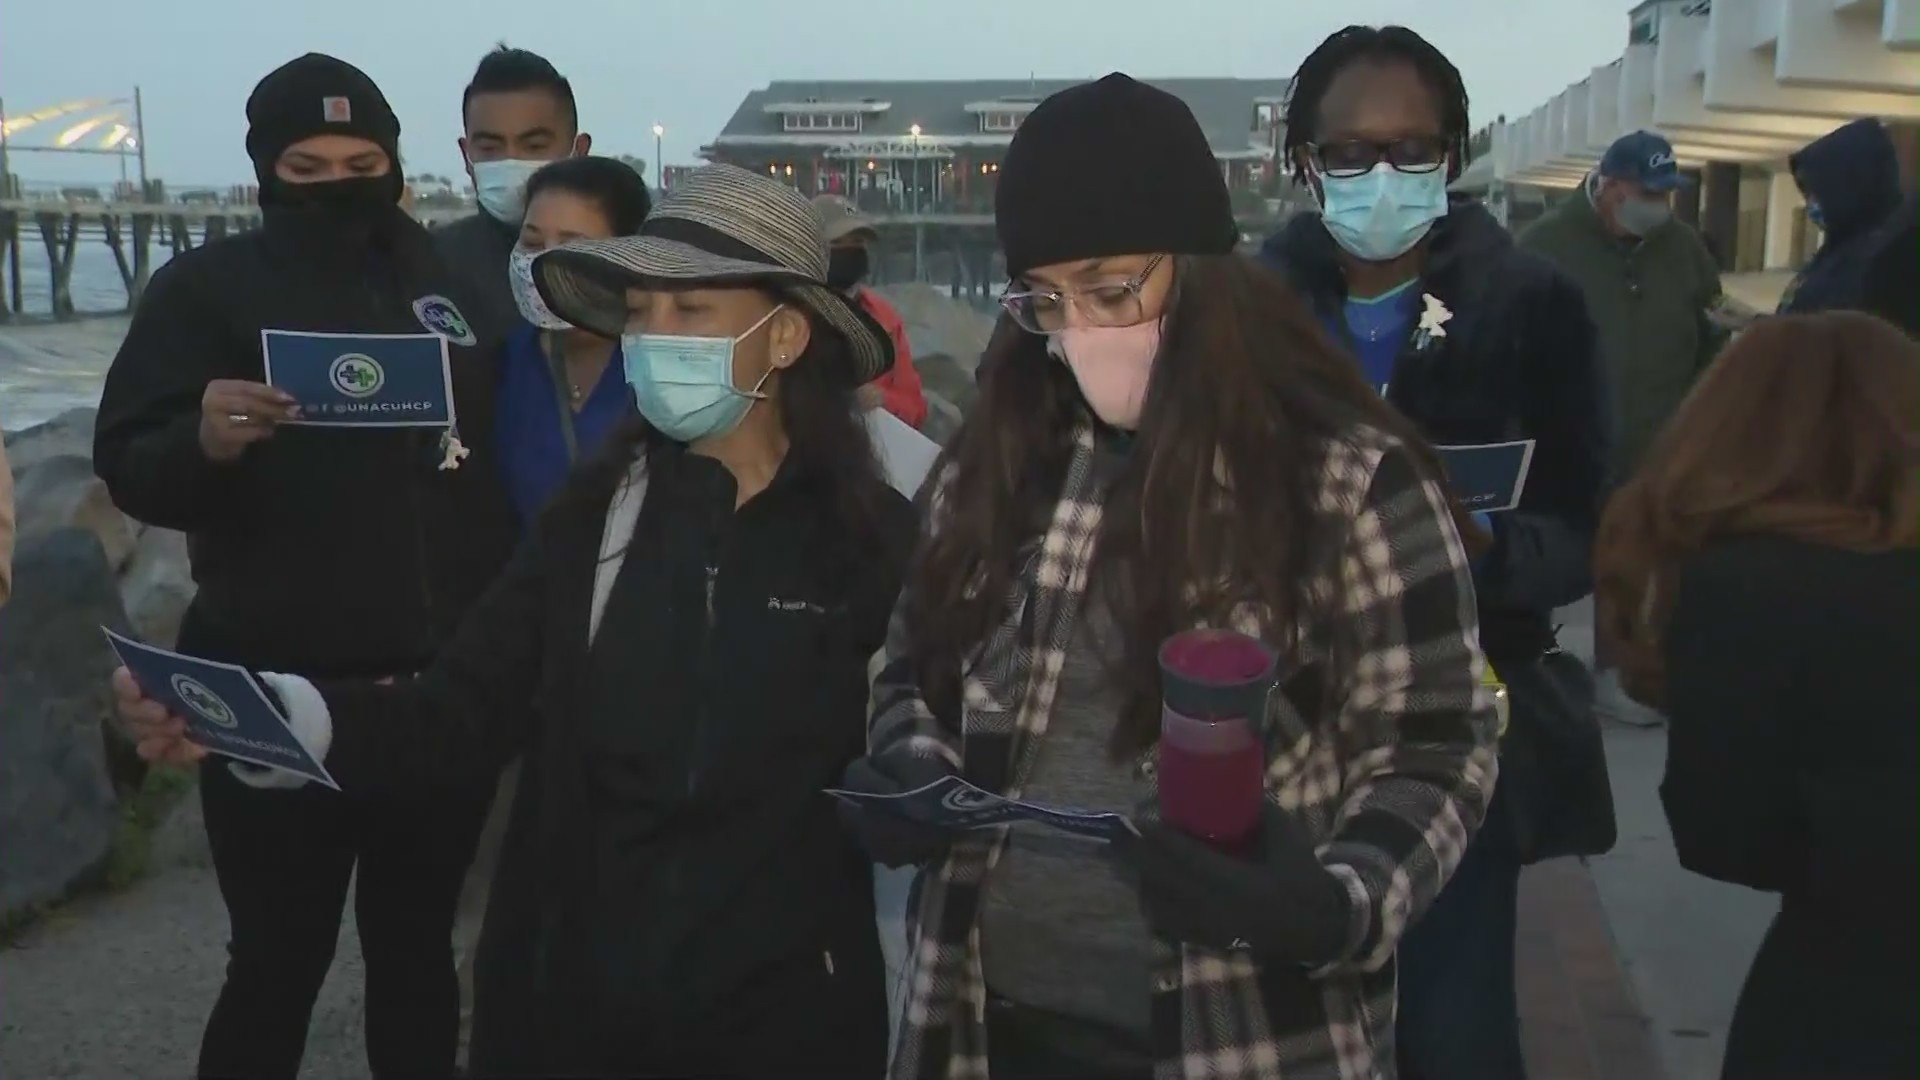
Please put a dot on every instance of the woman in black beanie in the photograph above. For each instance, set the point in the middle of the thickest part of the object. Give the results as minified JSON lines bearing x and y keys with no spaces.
{"x":1172,"y":442}
{"x":322,"y":550}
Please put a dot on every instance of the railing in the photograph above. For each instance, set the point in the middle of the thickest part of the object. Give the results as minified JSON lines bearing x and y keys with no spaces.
{"x":885,"y":205}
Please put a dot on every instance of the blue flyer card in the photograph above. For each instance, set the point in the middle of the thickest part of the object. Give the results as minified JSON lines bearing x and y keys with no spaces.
{"x":1488,"y":478}
{"x":362,"y":380}
{"x":952,"y":803}
{"x":225,"y":710}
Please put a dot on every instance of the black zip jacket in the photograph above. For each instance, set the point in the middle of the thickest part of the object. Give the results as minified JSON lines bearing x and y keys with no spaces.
{"x":321,"y":550}
{"x":479,"y":248}
{"x":1519,"y":360}
{"x":675,"y":896}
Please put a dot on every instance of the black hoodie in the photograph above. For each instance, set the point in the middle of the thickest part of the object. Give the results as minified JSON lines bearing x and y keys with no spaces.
{"x":1854,"y":176}
{"x":1518,"y":360}
{"x":324,"y":551}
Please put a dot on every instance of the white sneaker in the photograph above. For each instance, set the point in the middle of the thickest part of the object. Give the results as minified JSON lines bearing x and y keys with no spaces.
{"x":1610,"y":702}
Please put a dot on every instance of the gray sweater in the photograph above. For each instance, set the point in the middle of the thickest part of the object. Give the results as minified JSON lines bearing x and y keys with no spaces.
{"x":1062,"y":931}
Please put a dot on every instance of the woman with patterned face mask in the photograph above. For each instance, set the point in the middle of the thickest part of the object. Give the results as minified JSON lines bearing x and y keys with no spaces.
{"x":561,"y":388}
{"x":680,"y":648}
{"x":1169,"y":442}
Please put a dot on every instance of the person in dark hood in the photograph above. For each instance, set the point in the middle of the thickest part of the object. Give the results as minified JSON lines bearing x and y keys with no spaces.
{"x":1475,"y":342}
{"x":517,"y":114}
{"x":323,"y":550}
{"x":1851,"y":181}
{"x":1892,"y":291}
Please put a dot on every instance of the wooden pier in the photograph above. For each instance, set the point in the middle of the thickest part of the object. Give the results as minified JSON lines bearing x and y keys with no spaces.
{"x":129,"y":230}
{"x":948,"y":244}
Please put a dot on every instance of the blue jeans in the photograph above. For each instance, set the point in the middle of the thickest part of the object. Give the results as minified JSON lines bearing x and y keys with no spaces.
{"x":1459,"y":1011}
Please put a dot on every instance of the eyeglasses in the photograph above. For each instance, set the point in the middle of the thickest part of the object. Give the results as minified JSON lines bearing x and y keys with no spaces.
{"x":1118,"y":303}
{"x":1357,"y":157}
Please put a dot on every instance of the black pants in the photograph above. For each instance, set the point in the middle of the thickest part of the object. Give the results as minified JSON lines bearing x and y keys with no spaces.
{"x":1459,"y":1009}
{"x":283,"y":859}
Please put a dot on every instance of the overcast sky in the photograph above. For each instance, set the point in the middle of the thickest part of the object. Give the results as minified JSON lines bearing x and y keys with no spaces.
{"x":687,"y":63}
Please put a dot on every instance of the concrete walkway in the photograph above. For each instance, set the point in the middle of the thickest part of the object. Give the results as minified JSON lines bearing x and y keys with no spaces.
{"x":118,"y":987}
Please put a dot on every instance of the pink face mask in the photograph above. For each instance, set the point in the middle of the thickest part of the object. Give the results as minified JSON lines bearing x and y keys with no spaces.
{"x":1112,"y":365}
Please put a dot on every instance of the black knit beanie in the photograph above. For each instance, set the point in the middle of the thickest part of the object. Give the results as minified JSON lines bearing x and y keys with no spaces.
{"x":317,"y":95}
{"x":1114,"y":167}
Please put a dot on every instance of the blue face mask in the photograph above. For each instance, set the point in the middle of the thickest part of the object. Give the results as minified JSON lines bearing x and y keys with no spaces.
{"x":500,"y":187}
{"x":1381,"y":214}
{"x":1816,"y":215}
{"x":683,"y":386}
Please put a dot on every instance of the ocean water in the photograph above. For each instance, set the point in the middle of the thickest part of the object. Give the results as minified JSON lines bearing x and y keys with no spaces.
{"x":47,"y":367}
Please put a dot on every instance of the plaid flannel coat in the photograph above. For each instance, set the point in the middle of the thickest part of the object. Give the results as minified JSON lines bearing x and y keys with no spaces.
{"x":1391,"y":784}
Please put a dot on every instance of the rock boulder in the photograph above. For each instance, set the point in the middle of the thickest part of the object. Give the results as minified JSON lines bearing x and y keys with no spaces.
{"x":58,"y":810}
{"x":55,"y":488}
{"x":68,"y":434}
{"x":60,"y":491}
{"x":943,"y":419}
{"x":949,"y":378}
{"x":156,"y":585}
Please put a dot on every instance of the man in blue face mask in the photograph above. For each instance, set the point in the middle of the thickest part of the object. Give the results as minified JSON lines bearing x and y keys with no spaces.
{"x":1476,"y":343}
{"x":518,"y":114}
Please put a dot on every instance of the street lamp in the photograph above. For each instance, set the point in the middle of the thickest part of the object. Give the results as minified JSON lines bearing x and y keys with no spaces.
{"x":919,"y":228}
{"x":915,"y":132}
{"x":659,"y":167}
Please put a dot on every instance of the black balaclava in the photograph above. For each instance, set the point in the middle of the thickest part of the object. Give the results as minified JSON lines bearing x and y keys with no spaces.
{"x":321,"y":95}
{"x":1156,"y":186}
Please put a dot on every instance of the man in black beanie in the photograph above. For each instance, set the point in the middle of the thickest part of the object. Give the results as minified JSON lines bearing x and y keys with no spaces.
{"x":338,"y":551}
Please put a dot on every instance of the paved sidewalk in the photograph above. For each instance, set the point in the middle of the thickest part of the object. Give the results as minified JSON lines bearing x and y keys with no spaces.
{"x":1578,"y":1016}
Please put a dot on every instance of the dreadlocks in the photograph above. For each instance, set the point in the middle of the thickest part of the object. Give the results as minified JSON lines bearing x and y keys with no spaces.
{"x":1375,"y":43}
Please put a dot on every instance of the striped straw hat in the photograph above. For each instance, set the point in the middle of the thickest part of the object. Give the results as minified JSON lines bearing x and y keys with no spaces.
{"x":720,"y":225}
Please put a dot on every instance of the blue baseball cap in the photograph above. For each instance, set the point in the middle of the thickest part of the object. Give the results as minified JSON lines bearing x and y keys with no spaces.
{"x":1643,"y":158}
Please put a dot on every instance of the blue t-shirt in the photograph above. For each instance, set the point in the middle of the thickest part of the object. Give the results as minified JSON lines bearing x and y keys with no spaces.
{"x":533,"y":449}
{"x":1376,"y":328}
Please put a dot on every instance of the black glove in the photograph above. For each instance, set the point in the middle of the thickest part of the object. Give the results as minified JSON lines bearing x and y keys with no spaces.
{"x":892,"y":840}
{"x":1278,"y":900}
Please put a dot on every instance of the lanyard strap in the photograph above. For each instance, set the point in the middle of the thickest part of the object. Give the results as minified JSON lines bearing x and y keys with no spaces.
{"x":562,"y":392}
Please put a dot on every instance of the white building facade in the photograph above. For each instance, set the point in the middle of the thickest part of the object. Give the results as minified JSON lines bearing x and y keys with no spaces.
{"x":1736,"y":85}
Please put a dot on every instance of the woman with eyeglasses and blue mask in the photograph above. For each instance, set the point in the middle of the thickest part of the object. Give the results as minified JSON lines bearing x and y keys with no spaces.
{"x":1164,"y":440}
{"x":680,"y":651}
{"x":1475,"y":342}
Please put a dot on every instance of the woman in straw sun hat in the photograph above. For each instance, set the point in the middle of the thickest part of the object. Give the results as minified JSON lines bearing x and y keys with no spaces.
{"x":690,"y":623}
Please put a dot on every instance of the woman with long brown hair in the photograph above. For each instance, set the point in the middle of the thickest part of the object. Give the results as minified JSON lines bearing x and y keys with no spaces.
{"x":1170,"y":441}
{"x":1759,"y":577}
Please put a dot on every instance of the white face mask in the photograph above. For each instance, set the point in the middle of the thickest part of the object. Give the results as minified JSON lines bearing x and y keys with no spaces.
{"x":526,"y":297}
{"x":500,"y":187}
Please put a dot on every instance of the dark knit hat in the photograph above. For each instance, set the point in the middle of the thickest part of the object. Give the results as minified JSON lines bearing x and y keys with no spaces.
{"x":316,"y":95}
{"x":1114,"y":167}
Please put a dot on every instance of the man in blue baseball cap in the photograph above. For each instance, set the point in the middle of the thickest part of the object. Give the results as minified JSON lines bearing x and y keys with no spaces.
{"x":1650,"y":285}
{"x":1631,"y":188}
